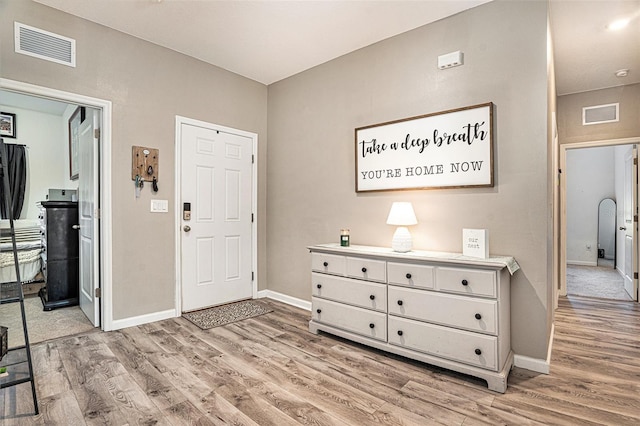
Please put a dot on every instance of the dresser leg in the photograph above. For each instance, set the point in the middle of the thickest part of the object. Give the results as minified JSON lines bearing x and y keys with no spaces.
{"x":498,"y":384}
{"x":312,"y":327}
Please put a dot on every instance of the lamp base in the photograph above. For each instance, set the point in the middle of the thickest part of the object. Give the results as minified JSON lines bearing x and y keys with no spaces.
{"x":402,"y":241}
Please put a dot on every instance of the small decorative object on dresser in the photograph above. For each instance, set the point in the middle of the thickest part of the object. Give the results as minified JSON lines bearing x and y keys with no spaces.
{"x":440,"y":308}
{"x":344,"y":238}
{"x":475,"y":243}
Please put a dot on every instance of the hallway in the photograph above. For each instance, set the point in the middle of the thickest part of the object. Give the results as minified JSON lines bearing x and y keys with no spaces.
{"x":595,"y":281}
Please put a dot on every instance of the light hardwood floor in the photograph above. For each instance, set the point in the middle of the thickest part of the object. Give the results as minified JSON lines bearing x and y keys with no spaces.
{"x":270,"y":370}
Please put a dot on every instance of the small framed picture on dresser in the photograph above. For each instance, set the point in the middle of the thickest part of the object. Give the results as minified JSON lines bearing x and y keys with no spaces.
{"x":475,"y":243}
{"x":7,"y":125}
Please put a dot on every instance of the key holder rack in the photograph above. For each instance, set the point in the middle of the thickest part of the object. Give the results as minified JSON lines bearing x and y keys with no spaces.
{"x":145,"y":164}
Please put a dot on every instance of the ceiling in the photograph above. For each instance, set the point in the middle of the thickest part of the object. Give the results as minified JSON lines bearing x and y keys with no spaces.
{"x":270,"y":40}
{"x":586,"y":53}
{"x":266,"y":40}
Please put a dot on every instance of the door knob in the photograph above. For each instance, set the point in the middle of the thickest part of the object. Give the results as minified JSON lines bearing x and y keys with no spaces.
{"x":187,"y":228}
{"x":75,"y":226}
{"x":623,"y":228}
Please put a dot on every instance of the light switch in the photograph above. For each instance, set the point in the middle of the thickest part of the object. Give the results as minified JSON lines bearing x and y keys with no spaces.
{"x":159,"y":206}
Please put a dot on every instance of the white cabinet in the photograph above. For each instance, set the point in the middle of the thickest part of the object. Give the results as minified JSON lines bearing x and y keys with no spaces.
{"x":439,"y":308}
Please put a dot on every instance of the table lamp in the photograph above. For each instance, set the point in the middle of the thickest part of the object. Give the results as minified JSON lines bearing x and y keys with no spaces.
{"x":401,"y":215}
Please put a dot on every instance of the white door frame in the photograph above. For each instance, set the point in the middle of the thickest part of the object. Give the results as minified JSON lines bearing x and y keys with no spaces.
{"x":106,"y":242}
{"x":563,"y":197}
{"x":178,"y":202}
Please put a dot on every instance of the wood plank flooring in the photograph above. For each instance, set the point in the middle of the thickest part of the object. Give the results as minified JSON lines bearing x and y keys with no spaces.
{"x":270,"y":370}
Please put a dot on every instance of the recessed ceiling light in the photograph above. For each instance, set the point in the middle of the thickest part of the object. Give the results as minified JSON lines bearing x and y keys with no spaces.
{"x":618,"y":25}
{"x":622,"y":73}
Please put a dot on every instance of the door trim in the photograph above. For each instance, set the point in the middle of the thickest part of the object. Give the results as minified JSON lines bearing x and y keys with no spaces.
{"x":562,"y":253}
{"x":178,"y":203}
{"x":106,"y":241}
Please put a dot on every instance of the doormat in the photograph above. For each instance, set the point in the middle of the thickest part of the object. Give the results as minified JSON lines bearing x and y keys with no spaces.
{"x":226,"y":314}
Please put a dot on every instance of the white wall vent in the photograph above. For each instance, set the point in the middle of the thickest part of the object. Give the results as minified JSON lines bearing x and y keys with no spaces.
{"x":44,"y":45}
{"x":599,"y":114}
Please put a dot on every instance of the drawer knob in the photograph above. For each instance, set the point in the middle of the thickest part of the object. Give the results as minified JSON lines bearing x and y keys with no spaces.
{"x":399,"y":302}
{"x":372,"y":297}
{"x":371,"y":325}
{"x":319,"y":311}
{"x":400,"y":333}
{"x":319,"y":285}
{"x":478,"y":352}
{"x":364,"y":269}
{"x":408,"y":276}
{"x":465,"y":282}
{"x":478,"y":316}
{"x":325,"y":264}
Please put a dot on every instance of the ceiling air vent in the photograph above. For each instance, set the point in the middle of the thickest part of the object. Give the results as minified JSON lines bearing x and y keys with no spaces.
{"x":45,"y":45}
{"x":600,"y":114}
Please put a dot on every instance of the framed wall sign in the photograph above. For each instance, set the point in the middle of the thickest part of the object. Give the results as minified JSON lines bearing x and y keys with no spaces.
{"x":449,"y":149}
{"x":74,"y":140}
{"x":7,"y":124}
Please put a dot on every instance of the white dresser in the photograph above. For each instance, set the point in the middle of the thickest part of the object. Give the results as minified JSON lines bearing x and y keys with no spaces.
{"x":440,"y":308}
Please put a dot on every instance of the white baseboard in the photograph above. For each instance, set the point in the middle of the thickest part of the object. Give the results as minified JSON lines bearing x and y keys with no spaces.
{"x":143,"y":319}
{"x":171,"y":313}
{"x":536,"y":364}
{"x":533,"y":364}
{"x":293,"y":301}
{"x":581,"y":263}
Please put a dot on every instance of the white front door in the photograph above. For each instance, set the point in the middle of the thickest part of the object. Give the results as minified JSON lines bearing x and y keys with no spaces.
{"x":630,"y":225}
{"x":216,"y":243}
{"x":88,"y":188}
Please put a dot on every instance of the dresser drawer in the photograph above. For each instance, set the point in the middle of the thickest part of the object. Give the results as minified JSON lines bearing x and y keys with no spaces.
{"x":328,"y":263}
{"x":466,"y":281}
{"x":367,"y":269}
{"x":473,"y":314}
{"x":470,"y":348}
{"x":410,"y":275}
{"x":350,"y":318}
{"x":352,"y":292}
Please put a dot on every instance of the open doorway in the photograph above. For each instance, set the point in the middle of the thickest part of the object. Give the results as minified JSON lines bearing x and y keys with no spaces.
{"x":599,"y":235}
{"x":70,"y":321}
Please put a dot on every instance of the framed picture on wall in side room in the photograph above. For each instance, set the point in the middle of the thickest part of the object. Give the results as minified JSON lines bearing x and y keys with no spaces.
{"x":7,"y":124}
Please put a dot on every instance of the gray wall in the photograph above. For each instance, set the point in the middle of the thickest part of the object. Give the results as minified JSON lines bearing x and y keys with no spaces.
{"x":148,"y":86}
{"x":312,"y":117}
{"x":570,"y":128}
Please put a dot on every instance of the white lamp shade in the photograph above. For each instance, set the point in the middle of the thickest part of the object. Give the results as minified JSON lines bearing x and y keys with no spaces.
{"x":401,"y":214}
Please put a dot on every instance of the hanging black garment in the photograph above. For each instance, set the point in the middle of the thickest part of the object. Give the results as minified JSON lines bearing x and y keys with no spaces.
{"x":17,"y":169}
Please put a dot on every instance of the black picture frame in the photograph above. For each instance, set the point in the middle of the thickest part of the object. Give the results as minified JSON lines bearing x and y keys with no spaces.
{"x":74,"y":140}
{"x":7,"y":125}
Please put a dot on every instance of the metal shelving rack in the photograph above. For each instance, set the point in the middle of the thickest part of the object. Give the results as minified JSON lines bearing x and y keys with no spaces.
{"x":18,"y":359}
